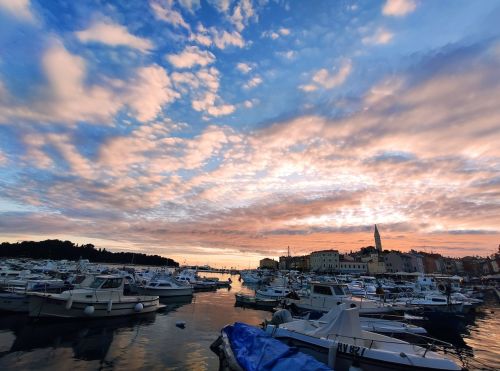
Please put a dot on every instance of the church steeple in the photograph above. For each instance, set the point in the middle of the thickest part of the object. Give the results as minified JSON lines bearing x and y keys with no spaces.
{"x":378,"y":242}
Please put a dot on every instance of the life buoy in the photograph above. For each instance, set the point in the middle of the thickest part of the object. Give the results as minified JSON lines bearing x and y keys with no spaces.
{"x":442,"y":287}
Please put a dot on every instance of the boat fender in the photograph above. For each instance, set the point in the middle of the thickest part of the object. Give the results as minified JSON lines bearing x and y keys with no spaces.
{"x":110,"y":306}
{"x":181,"y":324}
{"x":89,"y":310}
{"x":353,"y":305}
{"x":338,"y":303}
{"x":139,"y":307}
{"x":69,"y":303}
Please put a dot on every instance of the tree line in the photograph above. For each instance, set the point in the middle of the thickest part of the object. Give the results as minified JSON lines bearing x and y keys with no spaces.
{"x":57,"y":250}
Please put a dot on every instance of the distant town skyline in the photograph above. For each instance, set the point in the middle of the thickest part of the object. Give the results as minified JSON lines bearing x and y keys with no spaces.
{"x":221,"y":132}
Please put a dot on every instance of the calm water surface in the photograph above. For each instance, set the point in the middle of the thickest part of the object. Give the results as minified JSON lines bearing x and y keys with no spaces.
{"x":153,"y":341}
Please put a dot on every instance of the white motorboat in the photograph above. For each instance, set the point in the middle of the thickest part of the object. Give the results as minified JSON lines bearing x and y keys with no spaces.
{"x":165,"y":286}
{"x":273,"y":292}
{"x":382,"y":326}
{"x":251,"y":277}
{"x":103,"y":298}
{"x":342,"y":344}
{"x":435,"y":302}
{"x":191,"y":277}
{"x":324,"y":296}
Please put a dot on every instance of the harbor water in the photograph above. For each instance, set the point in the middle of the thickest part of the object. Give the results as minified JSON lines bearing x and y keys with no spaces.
{"x":154,"y":342}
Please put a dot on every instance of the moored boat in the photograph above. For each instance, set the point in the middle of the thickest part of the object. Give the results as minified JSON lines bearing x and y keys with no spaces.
{"x":394,"y":328}
{"x":273,"y":292}
{"x":342,"y":344}
{"x":249,"y":301}
{"x":165,"y":286}
{"x":243,"y":347}
{"x":103,"y":298}
{"x":324,"y":296}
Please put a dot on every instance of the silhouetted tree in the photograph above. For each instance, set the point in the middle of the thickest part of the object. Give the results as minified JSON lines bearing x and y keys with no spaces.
{"x":57,"y":249}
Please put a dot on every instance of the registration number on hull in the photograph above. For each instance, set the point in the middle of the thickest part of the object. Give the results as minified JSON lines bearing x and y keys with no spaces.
{"x":352,"y":349}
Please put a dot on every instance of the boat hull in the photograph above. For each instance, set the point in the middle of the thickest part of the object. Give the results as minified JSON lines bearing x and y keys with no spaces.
{"x":254,"y":302}
{"x":12,"y":302}
{"x":47,"y":306}
{"x":165,"y":293}
{"x":348,"y":356}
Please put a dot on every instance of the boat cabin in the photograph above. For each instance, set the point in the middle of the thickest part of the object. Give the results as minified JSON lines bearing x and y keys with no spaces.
{"x":107,"y":283}
{"x":328,"y":289}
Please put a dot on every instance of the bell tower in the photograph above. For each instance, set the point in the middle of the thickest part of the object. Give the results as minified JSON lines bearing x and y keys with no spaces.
{"x":378,"y":242}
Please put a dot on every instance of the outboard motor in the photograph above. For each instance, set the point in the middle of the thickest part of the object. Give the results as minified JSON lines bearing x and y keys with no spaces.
{"x":281,"y":316}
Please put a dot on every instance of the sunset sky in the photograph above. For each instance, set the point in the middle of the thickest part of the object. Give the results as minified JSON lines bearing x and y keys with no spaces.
{"x":220,"y":132}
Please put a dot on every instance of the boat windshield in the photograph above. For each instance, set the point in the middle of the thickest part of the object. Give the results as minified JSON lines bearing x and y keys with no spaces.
{"x":97,"y":283}
{"x":338,"y":290}
{"x":322,"y":290}
{"x":112,"y":283}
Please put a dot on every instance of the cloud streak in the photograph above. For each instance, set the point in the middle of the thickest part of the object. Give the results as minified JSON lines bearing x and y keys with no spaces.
{"x":107,"y":32}
{"x":191,"y":138}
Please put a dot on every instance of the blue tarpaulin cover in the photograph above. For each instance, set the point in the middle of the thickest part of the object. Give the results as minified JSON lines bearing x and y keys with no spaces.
{"x":257,"y":351}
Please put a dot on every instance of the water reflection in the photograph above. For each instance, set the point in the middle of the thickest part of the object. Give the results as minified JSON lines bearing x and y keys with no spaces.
{"x":148,"y":341}
{"x":89,"y":339}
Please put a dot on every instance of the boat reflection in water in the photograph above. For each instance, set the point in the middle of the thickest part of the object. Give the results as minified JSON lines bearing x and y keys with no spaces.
{"x":89,"y":339}
{"x":174,"y":303}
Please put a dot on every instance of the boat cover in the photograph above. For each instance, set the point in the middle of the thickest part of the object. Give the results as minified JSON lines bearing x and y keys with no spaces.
{"x":256,"y":350}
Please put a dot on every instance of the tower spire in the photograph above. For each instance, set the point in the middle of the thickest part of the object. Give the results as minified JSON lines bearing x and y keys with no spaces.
{"x":378,"y":242}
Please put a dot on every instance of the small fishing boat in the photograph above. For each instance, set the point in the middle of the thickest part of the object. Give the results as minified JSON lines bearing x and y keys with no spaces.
{"x":164,"y":286}
{"x":241,"y":347}
{"x":388,"y":327}
{"x":323,"y":296}
{"x":249,"y":301}
{"x":103,"y":298}
{"x":434,"y":302}
{"x":342,"y":344}
{"x":191,"y":277}
{"x":252,"y":277}
{"x":273,"y":292}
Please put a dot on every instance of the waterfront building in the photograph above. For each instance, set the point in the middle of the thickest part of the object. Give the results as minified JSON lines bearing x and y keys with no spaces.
{"x":350,"y":266}
{"x":325,"y":261}
{"x":376,"y":266}
{"x":417,"y":262}
{"x":267,"y":263}
{"x":396,"y":261}
{"x":432,"y":263}
{"x":300,"y":263}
